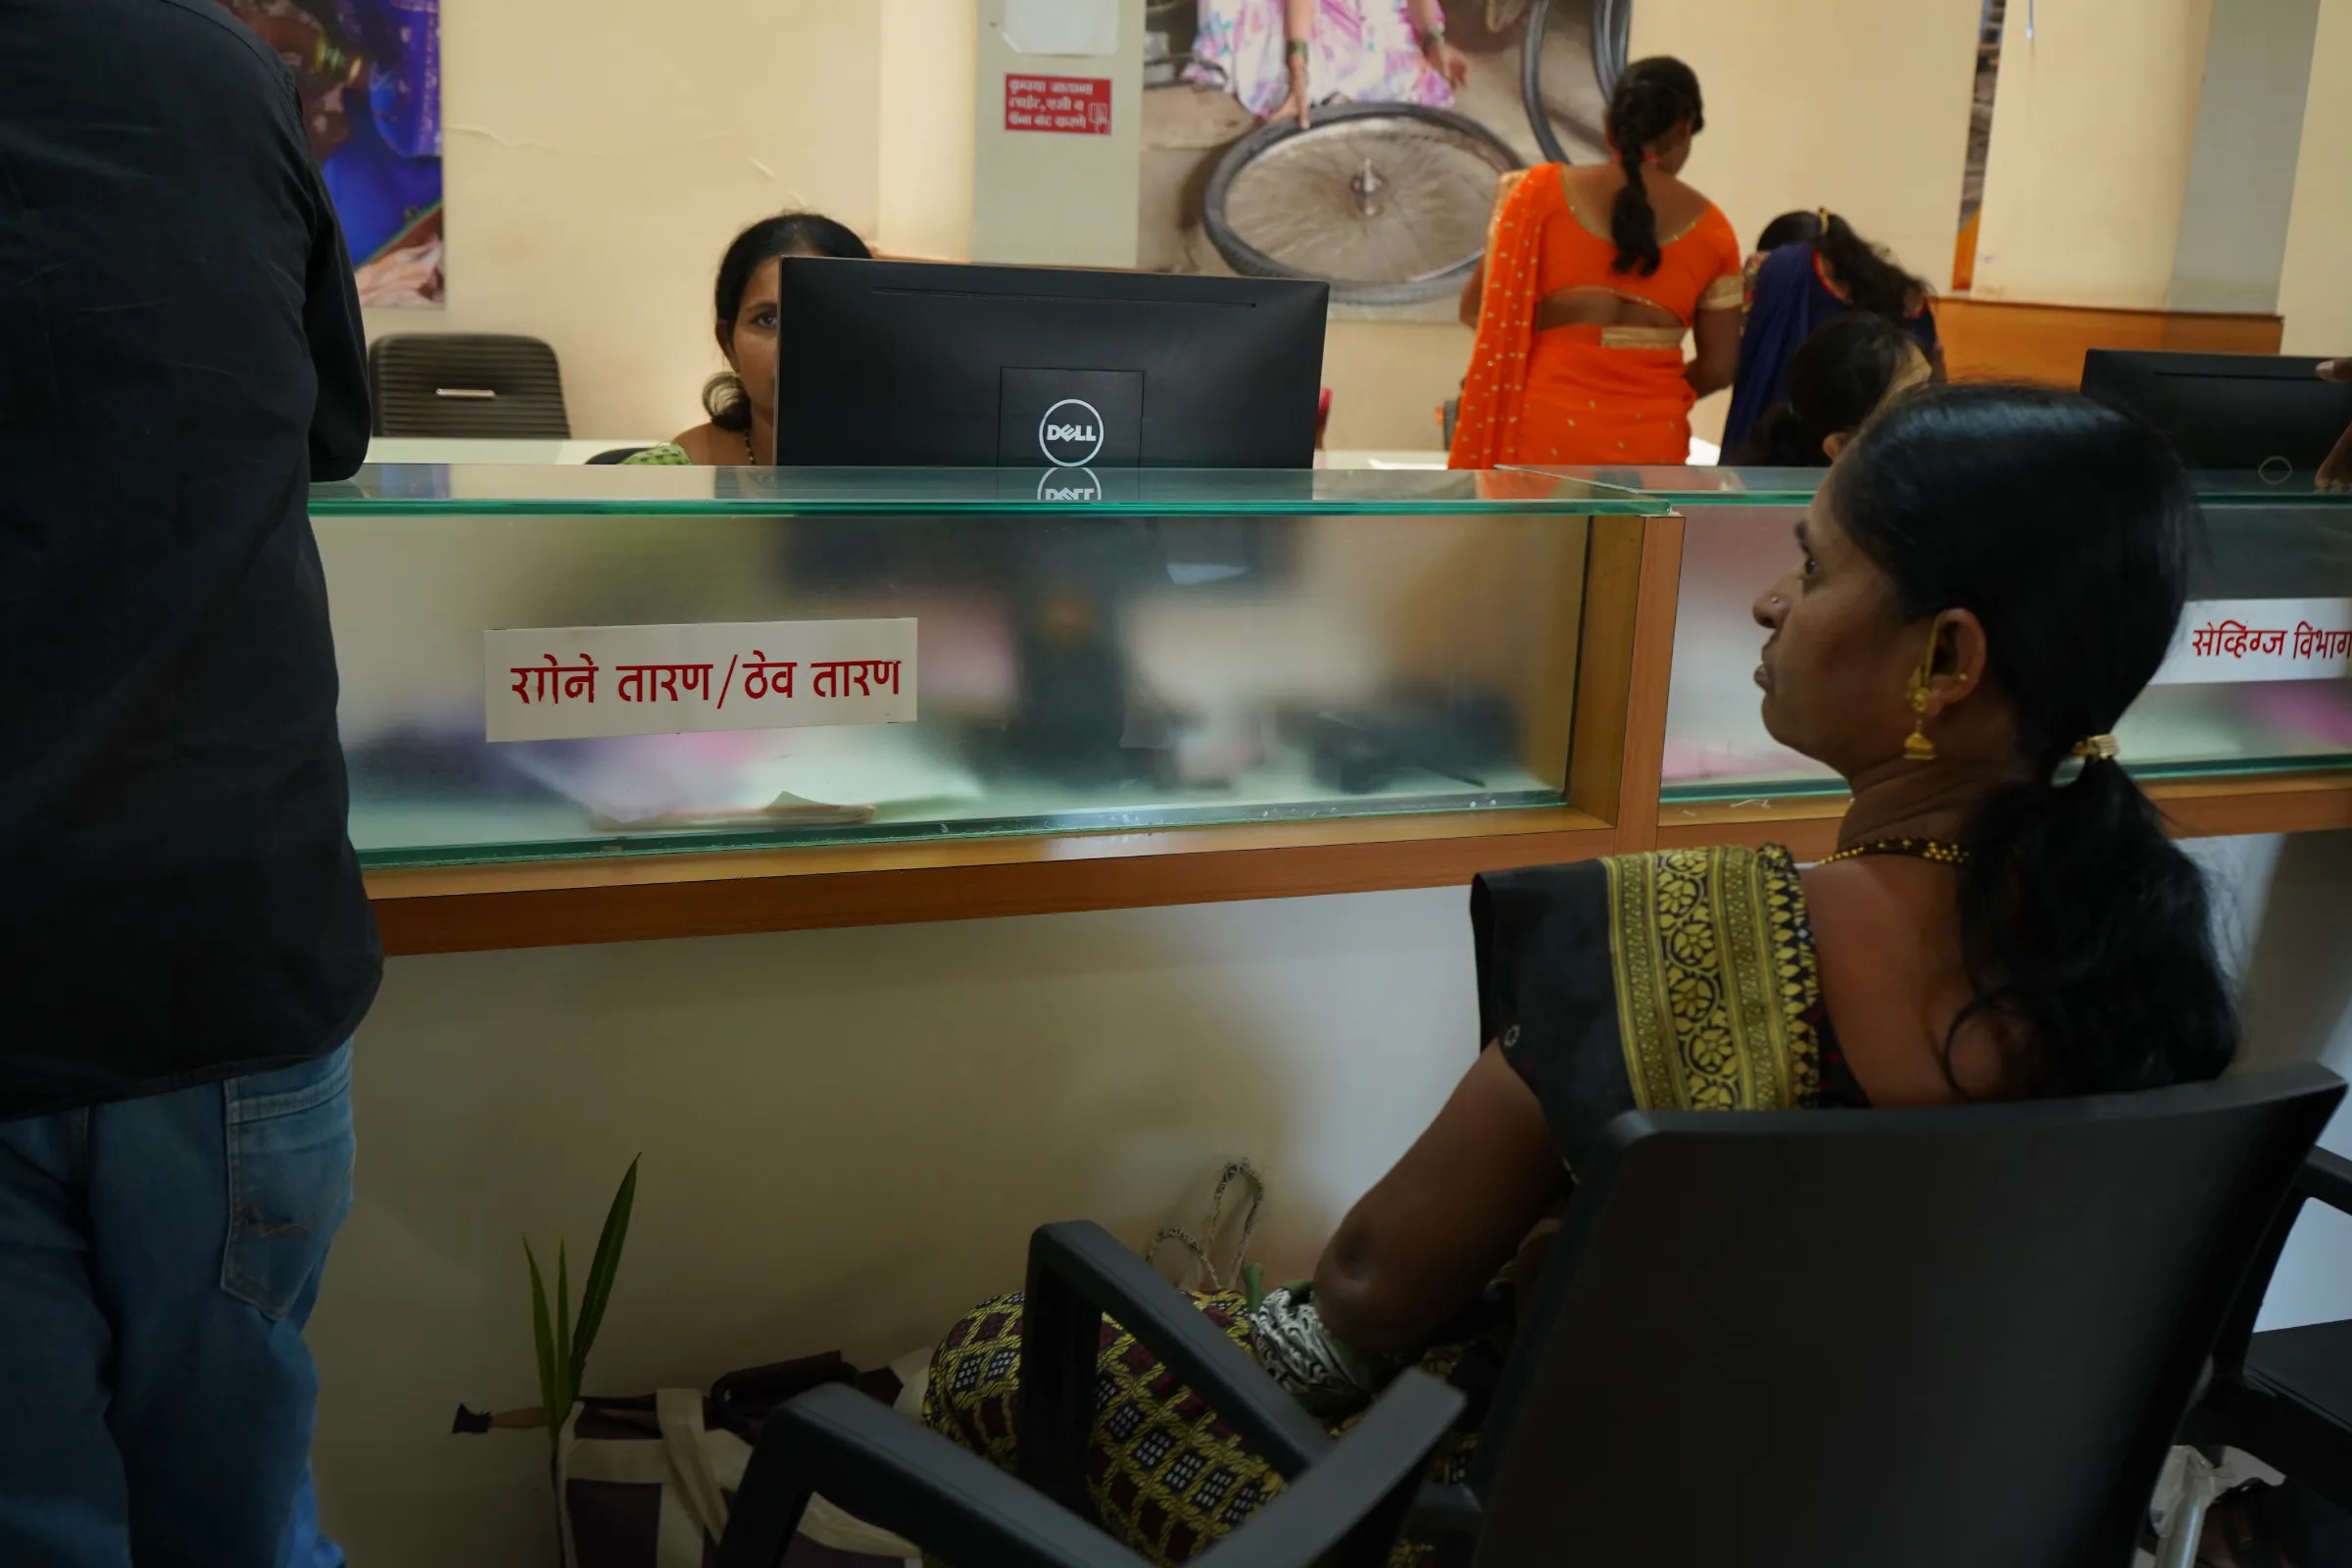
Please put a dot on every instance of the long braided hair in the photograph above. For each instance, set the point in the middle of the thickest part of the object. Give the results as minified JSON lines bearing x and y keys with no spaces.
{"x":1652,"y":98}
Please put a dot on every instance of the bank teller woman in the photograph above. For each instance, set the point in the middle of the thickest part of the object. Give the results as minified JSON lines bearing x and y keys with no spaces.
{"x":741,"y":399}
{"x":1987,"y":580}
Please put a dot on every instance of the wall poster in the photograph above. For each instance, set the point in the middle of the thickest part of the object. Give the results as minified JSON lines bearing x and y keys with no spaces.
{"x":369,"y":73}
{"x":1386,"y":192}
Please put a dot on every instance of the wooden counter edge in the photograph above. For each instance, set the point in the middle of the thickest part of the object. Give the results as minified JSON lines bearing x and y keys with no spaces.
{"x":2204,"y":807}
{"x":647,"y":898}
{"x":634,"y":899}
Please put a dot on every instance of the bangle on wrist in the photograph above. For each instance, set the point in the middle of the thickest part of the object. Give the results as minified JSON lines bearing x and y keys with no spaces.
{"x":1431,"y":37}
{"x":1296,"y":51}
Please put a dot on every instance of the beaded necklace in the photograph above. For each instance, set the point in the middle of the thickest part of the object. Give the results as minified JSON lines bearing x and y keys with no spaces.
{"x":1939,"y":851}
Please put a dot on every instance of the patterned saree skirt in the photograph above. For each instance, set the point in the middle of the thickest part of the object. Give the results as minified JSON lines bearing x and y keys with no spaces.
{"x":1167,"y":1477}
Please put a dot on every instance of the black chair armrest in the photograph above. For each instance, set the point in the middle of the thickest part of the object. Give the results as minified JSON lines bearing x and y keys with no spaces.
{"x":889,"y":1471}
{"x":2324,"y":1176}
{"x":2329,"y":1178}
{"x":1078,"y":1272}
{"x":1345,"y":1510}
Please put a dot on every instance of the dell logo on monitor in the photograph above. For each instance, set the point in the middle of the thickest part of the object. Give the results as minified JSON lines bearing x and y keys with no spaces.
{"x":1070,"y":433}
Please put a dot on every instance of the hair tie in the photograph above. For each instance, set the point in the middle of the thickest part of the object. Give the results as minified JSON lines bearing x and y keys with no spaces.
{"x":1823,"y":213}
{"x":2096,"y":748}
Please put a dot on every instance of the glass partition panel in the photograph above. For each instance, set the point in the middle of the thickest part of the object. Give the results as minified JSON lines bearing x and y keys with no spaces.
{"x":519,"y":489}
{"x":2275,"y":556}
{"x":1716,"y":746}
{"x":1780,"y":487}
{"x":1200,"y":649}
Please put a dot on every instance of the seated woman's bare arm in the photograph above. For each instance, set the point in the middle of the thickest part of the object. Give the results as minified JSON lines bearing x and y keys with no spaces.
{"x":1474,"y":295}
{"x":1421,"y":1245}
{"x":1716,"y":336}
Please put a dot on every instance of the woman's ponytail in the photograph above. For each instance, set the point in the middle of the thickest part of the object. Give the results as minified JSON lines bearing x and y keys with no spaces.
{"x":1654,"y":97}
{"x":1871,"y":282}
{"x":2083,"y":922}
{"x":2066,"y":528}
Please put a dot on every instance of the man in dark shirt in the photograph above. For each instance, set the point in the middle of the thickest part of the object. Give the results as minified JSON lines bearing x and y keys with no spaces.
{"x":185,"y":947}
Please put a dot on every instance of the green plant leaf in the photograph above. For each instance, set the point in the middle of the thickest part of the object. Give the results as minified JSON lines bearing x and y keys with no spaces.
{"x":544,"y":1340}
{"x":568,"y":1384}
{"x":597,"y":1290}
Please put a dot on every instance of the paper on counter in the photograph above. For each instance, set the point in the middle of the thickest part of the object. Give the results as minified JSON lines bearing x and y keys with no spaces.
{"x":643,"y":779}
{"x":1063,"y":27}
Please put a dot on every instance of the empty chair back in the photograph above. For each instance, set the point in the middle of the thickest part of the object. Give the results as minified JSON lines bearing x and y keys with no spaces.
{"x":1943,"y":1338}
{"x":478,"y":386}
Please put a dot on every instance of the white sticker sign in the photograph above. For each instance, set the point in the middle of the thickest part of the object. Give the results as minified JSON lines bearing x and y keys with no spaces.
{"x":2259,"y":639}
{"x":572,"y":682}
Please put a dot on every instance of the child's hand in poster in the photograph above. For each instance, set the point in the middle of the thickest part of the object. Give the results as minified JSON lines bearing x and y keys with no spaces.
{"x":1446,"y":61}
{"x":1297,"y":102}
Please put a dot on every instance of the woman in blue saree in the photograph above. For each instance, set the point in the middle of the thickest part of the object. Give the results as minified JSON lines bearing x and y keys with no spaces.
{"x":1802,"y":287}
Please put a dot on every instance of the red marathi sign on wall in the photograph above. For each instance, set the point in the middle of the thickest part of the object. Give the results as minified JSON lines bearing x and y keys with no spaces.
{"x":1075,"y":106}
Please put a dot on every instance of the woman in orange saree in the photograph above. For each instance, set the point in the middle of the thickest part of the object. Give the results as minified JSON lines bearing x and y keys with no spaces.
{"x":1592,"y":274}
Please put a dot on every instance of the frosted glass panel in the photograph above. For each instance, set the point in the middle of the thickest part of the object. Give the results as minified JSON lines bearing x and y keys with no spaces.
{"x":1079,"y":670}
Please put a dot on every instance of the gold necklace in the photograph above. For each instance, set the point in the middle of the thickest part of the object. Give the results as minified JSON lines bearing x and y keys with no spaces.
{"x":1940,"y":851}
{"x":748,"y":456}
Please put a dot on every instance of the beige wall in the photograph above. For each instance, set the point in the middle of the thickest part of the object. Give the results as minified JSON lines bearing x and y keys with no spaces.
{"x":1386,"y":380}
{"x":596,"y":169}
{"x":1857,"y":105}
{"x":924,"y":157}
{"x":2315,"y":292}
{"x":2091,"y":135}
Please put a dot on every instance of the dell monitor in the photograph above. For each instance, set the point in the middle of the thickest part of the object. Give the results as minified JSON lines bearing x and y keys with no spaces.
{"x":2265,"y":411}
{"x":917,"y":364}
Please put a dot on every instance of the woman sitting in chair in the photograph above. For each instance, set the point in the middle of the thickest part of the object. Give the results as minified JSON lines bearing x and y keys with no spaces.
{"x":740,"y":398}
{"x":1985,"y":582}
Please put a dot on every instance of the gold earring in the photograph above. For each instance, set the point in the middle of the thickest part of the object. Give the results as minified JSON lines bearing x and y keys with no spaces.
{"x":1917,"y":748}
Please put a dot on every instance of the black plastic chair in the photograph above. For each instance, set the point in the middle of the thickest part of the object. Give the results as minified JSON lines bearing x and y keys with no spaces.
{"x":1939,"y":1337}
{"x":475,"y":386}
{"x":2285,"y":1396}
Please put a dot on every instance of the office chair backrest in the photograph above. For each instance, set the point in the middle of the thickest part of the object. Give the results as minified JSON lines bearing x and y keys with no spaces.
{"x":479,"y":385}
{"x":1942,"y":1337}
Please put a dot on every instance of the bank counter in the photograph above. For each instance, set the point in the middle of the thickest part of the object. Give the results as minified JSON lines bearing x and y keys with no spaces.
{"x":1129,"y":689}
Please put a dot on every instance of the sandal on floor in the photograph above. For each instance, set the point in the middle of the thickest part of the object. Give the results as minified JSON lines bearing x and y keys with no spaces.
{"x":2242,"y":1523}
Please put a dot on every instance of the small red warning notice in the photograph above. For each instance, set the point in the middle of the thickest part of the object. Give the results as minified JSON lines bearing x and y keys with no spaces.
{"x":1075,"y":106}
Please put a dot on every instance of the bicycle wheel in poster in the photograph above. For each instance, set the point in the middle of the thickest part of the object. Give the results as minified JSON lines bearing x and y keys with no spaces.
{"x":1385,"y":202}
{"x":1571,"y":53}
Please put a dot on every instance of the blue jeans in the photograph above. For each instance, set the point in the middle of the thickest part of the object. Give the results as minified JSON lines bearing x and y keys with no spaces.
{"x":158,"y":1260}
